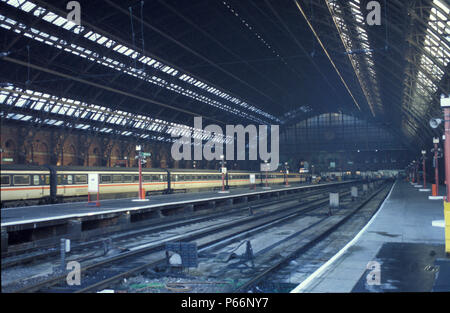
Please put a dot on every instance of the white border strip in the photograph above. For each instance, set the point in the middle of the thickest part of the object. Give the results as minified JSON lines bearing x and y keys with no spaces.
{"x":156,"y":205}
{"x":324,"y":267}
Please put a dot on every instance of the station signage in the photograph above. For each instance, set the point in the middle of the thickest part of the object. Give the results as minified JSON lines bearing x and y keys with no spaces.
{"x":92,"y":182}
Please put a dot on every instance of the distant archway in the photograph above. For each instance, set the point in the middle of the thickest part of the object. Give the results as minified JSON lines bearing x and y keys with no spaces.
{"x":9,"y":152}
{"x":69,"y":156}
{"x":95,"y":157}
{"x":41,"y":155}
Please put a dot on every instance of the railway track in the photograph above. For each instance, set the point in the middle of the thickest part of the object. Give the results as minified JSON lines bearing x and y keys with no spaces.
{"x":322,"y":232}
{"x":105,"y":272}
{"x":46,"y":251}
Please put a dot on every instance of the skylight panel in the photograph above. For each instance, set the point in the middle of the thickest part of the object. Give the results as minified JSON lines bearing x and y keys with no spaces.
{"x":50,"y":122}
{"x":28,"y":6}
{"x":50,"y":17}
{"x":59,"y":21}
{"x":39,"y":11}
{"x":69,"y":25}
{"x":121,"y":49}
{"x":62,"y":22}
{"x":128,"y":52}
{"x":16,"y":3}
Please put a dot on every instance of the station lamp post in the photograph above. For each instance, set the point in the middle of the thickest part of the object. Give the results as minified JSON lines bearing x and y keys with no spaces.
{"x":445,"y":105}
{"x":223,"y":169}
{"x":424,"y":169}
{"x":436,"y":150}
{"x":286,"y":169}
{"x":139,"y":157}
{"x":266,"y":166}
{"x":434,"y":123}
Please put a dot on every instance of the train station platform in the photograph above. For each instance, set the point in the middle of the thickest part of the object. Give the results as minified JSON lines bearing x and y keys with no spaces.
{"x":401,"y":249}
{"x":32,"y":226}
{"x":40,"y":213}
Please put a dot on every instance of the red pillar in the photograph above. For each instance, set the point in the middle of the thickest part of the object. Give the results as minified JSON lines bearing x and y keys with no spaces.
{"x":140,"y":176}
{"x":436,"y":165}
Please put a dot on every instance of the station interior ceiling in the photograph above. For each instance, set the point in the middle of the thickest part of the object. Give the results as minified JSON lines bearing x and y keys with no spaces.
{"x":142,"y":70}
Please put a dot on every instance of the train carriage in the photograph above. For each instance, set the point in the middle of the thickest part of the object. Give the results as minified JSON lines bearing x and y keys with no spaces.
{"x":25,"y":183}
{"x":113,"y":182}
{"x":194,"y":179}
{"x":239,"y":178}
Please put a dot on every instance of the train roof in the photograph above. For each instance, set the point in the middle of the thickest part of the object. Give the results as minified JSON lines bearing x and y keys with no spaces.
{"x":23,"y":167}
{"x":107,"y":169}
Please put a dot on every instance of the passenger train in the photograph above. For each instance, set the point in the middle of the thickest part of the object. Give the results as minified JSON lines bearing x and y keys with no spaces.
{"x":24,"y":185}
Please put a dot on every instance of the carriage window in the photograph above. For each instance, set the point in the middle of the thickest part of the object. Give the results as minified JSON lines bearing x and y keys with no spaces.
{"x":47,"y":179}
{"x":127,"y":178}
{"x":80,"y":179}
{"x":70,"y":179}
{"x":117,"y":178}
{"x":146,"y":178}
{"x":106,"y":179}
{"x":21,"y":179}
{"x":155,"y":178}
{"x":35,"y":179}
{"x":136,"y":178}
{"x":162,"y":177}
{"x":5,"y":180}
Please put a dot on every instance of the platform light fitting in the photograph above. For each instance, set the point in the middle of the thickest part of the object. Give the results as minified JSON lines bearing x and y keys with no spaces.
{"x":435,"y":122}
{"x":445,"y":101}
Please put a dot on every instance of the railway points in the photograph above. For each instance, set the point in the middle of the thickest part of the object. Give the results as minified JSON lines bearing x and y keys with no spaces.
{"x":233,"y":148}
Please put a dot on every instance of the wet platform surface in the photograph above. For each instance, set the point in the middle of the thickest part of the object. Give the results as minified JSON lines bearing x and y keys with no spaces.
{"x":38,"y":213}
{"x":405,"y":267}
{"x":400,"y":250}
